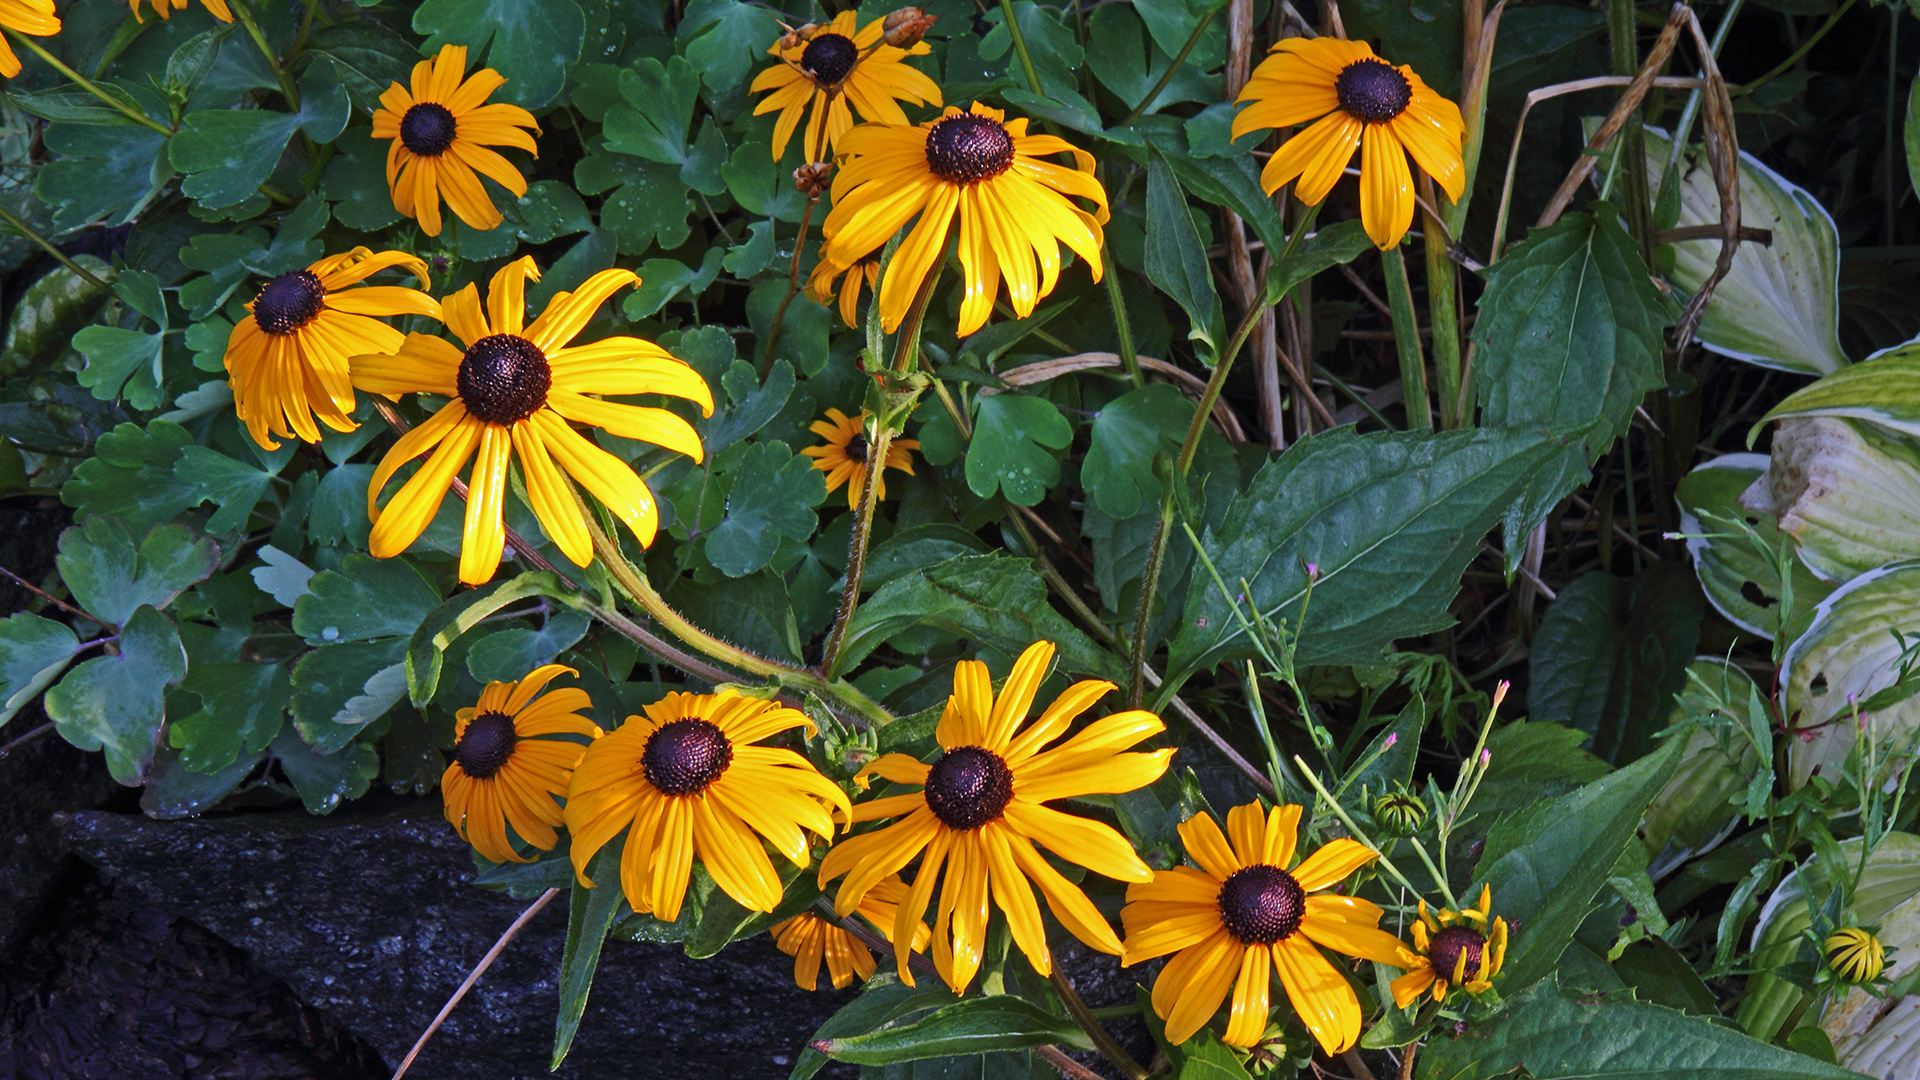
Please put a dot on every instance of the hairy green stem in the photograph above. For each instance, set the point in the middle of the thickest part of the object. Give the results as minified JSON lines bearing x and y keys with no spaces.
{"x":1122,"y":328}
{"x":1444,"y":316}
{"x":1020,"y":46}
{"x":1356,"y":832}
{"x":1406,"y":341}
{"x":90,"y":87}
{"x":1178,"y":59}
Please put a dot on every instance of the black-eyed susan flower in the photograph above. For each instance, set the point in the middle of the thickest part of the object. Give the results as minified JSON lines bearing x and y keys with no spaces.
{"x":687,"y":781}
{"x":441,"y":131}
{"x":166,"y":8}
{"x":866,"y":273}
{"x":810,"y":940}
{"x":1363,"y":102}
{"x":507,"y":769}
{"x":1854,"y":955}
{"x":979,"y":172}
{"x":829,"y":68}
{"x":35,"y":18}
{"x":847,"y":455}
{"x":981,"y":809}
{"x":513,"y":391}
{"x":288,"y":363}
{"x":1456,"y":948}
{"x":1250,"y":913}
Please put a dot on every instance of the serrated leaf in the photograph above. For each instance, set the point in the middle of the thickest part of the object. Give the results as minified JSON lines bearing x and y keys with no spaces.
{"x":970,"y":1026}
{"x":506,"y":655}
{"x":118,"y":703}
{"x":645,"y":204}
{"x":283,"y":577}
{"x":917,"y":548}
{"x":101,"y":171}
{"x":121,"y":364}
{"x":725,"y":38}
{"x":1128,"y":432}
{"x":1014,"y":437}
{"x":228,"y":153}
{"x":110,"y":577}
{"x":657,"y":111}
{"x":750,"y":406}
{"x":774,"y":494}
{"x":33,"y":652}
{"x":533,"y":46}
{"x":366,"y":598}
{"x":234,"y":487}
{"x":242,"y":708}
{"x":130,"y":475}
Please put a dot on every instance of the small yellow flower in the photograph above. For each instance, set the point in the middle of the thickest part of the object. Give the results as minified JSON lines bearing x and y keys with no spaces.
{"x":820,"y":286}
{"x":166,"y":8}
{"x":1250,"y":913}
{"x":504,"y":773}
{"x":1457,"y":948}
{"x":1855,"y":955}
{"x":1362,"y":102}
{"x":810,"y":939}
{"x":441,"y":131}
{"x":835,"y":66}
{"x":846,"y":455}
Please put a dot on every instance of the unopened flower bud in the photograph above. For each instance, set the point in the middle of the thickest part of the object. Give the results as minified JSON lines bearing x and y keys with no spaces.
{"x":907,"y":26}
{"x":1855,"y":955}
{"x":812,"y":179}
{"x":796,"y":37}
{"x":1399,"y":814}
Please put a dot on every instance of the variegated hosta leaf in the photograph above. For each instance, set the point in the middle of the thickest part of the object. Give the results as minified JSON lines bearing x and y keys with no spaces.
{"x":1892,"y":877}
{"x":1884,"y":388}
{"x":1846,"y":654}
{"x":1847,"y":492}
{"x":1738,"y":579}
{"x":1870,"y":1033}
{"x":1715,"y":765}
{"x":1779,"y":306}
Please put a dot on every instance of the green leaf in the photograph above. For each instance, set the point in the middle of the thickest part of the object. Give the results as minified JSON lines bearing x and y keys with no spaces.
{"x":118,"y":703}
{"x":774,"y":494}
{"x":33,"y":652}
{"x":590,"y":912}
{"x":366,"y":598}
{"x":339,"y":689}
{"x":1571,"y":330}
{"x":101,"y":172}
{"x":53,"y":308}
{"x":438,"y":630}
{"x":282,"y":576}
{"x":1718,"y":762}
{"x":657,"y":112}
{"x":1390,"y":520}
{"x":228,"y":153}
{"x":725,"y":38}
{"x":1177,"y":261}
{"x":1341,"y":242}
{"x":758,"y":184}
{"x":533,"y":46}
{"x":663,"y":280}
{"x":76,"y":105}
{"x":110,"y":578}
{"x":1740,"y":579}
{"x":755,"y":609}
{"x":324,"y":781}
{"x":1848,"y":654}
{"x":1129,"y":63}
{"x":1546,"y":863}
{"x":1208,"y":1058}
{"x":1557,"y":1035}
{"x":130,"y":475}
{"x":356,"y":182}
{"x":1610,"y":654}
{"x":996,"y":600}
{"x":242,"y":708}
{"x":234,"y":487}
{"x":366,"y":57}
{"x":1013,"y":436}
{"x":1128,"y":432}
{"x":645,"y":204}
{"x":1885,"y":390}
{"x":121,"y":364}
{"x":550,"y":209}
{"x":1234,"y":183}
{"x":884,"y":998}
{"x":1846,"y":491}
{"x":917,"y":548}
{"x":507,"y":655}
{"x":970,"y":1026}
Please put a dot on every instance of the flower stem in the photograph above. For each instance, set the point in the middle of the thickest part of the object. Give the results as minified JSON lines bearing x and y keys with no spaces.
{"x":1103,"y":1040}
{"x":815,"y":153}
{"x":1406,"y":340}
{"x":280,"y":74}
{"x":84,"y":83}
{"x":1178,"y":59}
{"x":19,"y":225}
{"x":857,"y":547}
{"x":1122,"y":328}
{"x":1354,"y":831}
{"x":1020,"y":46}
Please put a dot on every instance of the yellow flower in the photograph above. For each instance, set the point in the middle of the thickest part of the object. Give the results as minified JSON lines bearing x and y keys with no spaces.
{"x":981,"y":809}
{"x":35,"y":18}
{"x":844,"y":456}
{"x":513,"y":392}
{"x":1855,"y":955}
{"x":686,"y":780}
{"x":820,"y":286}
{"x":1244,"y":910}
{"x":1457,"y":948}
{"x":1012,"y":209}
{"x":290,"y":360}
{"x":166,"y":8}
{"x":835,"y":66}
{"x":809,"y":939}
{"x":504,"y":774}
{"x":1362,"y":101}
{"x":440,"y":135}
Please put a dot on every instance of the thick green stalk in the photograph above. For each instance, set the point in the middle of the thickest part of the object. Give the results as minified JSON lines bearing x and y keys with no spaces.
{"x":1122,"y":328}
{"x":1443,"y":315}
{"x":1020,"y":46}
{"x":280,"y":74}
{"x":1179,"y":58}
{"x":84,"y":83}
{"x":1406,"y":341}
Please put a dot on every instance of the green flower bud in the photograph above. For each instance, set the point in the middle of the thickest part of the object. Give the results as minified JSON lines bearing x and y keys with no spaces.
{"x":1399,"y":813}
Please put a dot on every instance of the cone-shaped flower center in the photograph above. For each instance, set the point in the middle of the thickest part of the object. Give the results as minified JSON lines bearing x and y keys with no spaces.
{"x":504,"y":379}
{"x":829,"y":58}
{"x":966,"y":148}
{"x":1450,"y":944}
{"x":1371,"y":90}
{"x":857,"y":448}
{"x":1262,"y":904}
{"x":428,"y":129}
{"x":683,"y":757}
{"x":969,"y":787}
{"x":486,"y":745}
{"x":288,"y":302}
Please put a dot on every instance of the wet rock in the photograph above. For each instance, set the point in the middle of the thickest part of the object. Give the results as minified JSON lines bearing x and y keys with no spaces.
{"x":41,"y":778}
{"x":369,"y":915}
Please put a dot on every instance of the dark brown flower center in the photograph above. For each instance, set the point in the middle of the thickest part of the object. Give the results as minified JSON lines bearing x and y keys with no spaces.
{"x":966,"y":148}
{"x":289,"y":302}
{"x":683,"y":757}
{"x":829,"y":58}
{"x":486,"y":745}
{"x":1371,"y":90}
{"x":504,"y":379}
{"x":1262,"y":904}
{"x":968,"y":787}
{"x":857,"y":448}
{"x":1450,"y":944}
{"x":427,"y":129}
